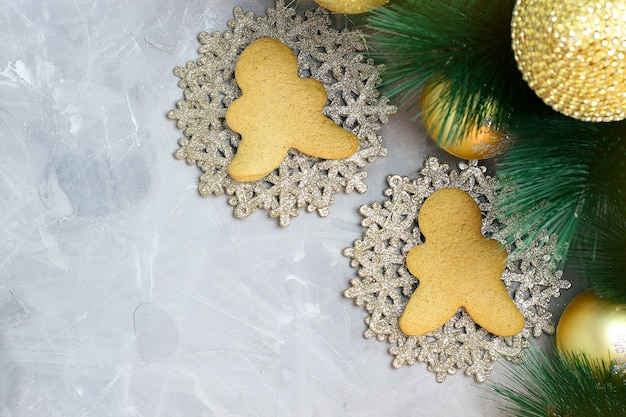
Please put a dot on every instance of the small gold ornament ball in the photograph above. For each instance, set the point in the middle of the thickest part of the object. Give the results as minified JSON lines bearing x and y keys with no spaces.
{"x":573,"y":55}
{"x":350,"y":6}
{"x":479,"y":142}
{"x":594,"y":326}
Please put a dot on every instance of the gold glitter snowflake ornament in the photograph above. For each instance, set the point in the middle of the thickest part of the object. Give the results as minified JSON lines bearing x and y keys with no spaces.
{"x":384,"y":285}
{"x":332,"y":57}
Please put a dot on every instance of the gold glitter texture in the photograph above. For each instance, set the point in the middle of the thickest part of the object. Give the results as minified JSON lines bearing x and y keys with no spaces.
{"x":573,"y":55}
{"x":335,"y":58}
{"x":350,"y":6}
{"x":383,"y":284}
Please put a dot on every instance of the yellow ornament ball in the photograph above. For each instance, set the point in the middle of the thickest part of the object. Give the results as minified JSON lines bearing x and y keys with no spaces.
{"x":480,"y":142}
{"x":572,"y":54}
{"x":350,"y":6}
{"x":593,"y":326}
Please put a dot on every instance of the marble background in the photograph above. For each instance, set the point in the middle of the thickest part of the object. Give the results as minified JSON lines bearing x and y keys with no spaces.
{"x":123,"y":292}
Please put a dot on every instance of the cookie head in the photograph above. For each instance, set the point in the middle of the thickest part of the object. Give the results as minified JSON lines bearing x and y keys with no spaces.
{"x":450,"y":213}
{"x":269,"y":60}
{"x":278,"y":111}
{"x":457,"y":267}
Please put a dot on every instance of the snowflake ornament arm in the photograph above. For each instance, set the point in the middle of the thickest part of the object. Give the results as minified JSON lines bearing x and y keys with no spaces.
{"x":301,"y":182}
{"x":384,"y":285}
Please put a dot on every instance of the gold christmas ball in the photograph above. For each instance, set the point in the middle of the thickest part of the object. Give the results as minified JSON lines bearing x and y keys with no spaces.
{"x":480,"y":142}
{"x":573,"y":55}
{"x":593,"y":326}
{"x":350,"y":6}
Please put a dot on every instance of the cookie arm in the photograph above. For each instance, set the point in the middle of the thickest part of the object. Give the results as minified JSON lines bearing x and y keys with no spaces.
{"x":252,"y":162}
{"x":328,"y":140}
{"x":322,"y":137}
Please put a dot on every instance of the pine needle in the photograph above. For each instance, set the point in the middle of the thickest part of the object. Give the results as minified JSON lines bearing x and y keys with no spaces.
{"x":604,"y":265}
{"x":598,"y":250}
{"x":560,"y":175}
{"x":568,"y":177}
{"x":462,"y":43}
{"x":543,"y":181}
{"x":551,"y":384}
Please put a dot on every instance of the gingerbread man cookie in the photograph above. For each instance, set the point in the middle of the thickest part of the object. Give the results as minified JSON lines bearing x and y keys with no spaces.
{"x":457,"y":267}
{"x":277,"y":111}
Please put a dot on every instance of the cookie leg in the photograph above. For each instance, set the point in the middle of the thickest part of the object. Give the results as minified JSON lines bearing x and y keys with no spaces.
{"x":254,"y":161}
{"x":499,"y":315}
{"x":425,"y":312}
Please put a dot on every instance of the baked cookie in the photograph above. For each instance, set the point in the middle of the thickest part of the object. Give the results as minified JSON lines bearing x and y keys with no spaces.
{"x":457,"y":267}
{"x":277,"y":111}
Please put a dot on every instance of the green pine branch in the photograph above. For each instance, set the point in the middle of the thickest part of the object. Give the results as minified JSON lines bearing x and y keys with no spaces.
{"x":462,"y":43}
{"x":551,"y":384}
{"x":543,"y":181}
{"x":568,"y":177}
{"x":561,"y":175}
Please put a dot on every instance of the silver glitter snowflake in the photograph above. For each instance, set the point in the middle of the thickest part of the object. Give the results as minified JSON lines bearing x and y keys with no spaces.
{"x":332,"y":57}
{"x":384,"y":284}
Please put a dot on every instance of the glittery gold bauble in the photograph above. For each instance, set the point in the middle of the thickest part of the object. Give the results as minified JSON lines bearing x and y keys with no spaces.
{"x":573,"y":55}
{"x":480,"y":142}
{"x":593,"y":326}
{"x":350,"y":6}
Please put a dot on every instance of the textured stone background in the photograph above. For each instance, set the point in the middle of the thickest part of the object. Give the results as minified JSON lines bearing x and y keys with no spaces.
{"x":125,"y":293}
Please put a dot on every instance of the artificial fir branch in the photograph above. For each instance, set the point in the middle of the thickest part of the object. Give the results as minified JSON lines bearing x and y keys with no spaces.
{"x":543,"y":181}
{"x":464,"y":44}
{"x":552,"y":384}
{"x":561,"y":174}
{"x":568,"y":177}
{"x":599,"y":250}
{"x":604,"y":266}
